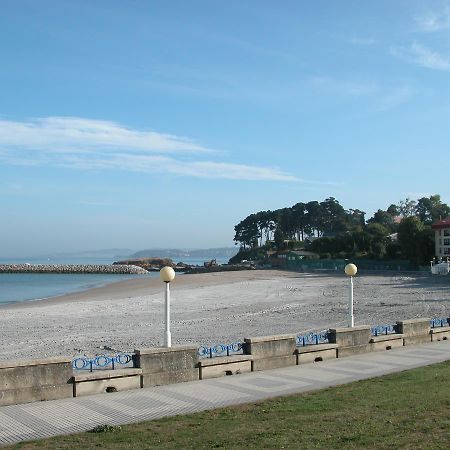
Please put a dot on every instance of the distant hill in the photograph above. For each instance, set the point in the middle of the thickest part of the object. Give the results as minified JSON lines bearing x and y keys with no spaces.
{"x":207,"y":253}
{"x":103,"y":253}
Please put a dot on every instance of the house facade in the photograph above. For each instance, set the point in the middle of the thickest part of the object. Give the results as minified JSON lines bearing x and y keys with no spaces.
{"x":442,"y":237}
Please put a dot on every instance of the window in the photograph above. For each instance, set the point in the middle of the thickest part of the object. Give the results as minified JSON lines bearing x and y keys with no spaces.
{"x":446,"y":251}
{"x":446,"y":241}
{"x":447,"y":232}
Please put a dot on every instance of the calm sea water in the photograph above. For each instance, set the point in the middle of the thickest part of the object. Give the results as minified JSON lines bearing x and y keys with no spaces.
{"x":19,"y":287}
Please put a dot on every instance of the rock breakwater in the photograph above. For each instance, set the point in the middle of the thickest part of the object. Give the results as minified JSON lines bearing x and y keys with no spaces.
{"x":72,"y":268}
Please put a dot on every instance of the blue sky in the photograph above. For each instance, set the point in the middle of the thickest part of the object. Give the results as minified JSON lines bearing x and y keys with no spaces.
{"x":144,"y":124}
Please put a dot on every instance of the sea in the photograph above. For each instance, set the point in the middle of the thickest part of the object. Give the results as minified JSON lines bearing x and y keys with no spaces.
{"x":20,"y":287}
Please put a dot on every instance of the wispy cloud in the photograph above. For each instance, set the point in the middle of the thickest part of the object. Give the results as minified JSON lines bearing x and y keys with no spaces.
{"x":164,"y":164}
{"x":422,"y":56}
{"x":433,"y":21}
{"x":75,"y":134}
{"x":394,"y":98}
{"x":360,"y":41}
{"x":378,"y":97}
{"x":86,"y":144}
{"x":343,"y":88}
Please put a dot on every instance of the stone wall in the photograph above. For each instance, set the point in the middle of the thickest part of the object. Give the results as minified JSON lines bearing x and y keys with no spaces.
{"x":270,"y":352}
{"x":167,"y":365}
{"x":35,"y":380}
{"x":351,"y":341}
{"x":415,"y":331}
{"x":72,"y":268}
{"x":53,"y":378}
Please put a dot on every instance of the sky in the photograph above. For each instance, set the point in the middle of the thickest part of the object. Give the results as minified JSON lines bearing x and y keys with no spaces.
{"x":150,"y":124}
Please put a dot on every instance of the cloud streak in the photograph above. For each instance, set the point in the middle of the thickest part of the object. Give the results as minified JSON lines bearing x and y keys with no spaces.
{"x":423,"y":56}
{"x":75,"y":134}
{"x":164,"y":164}
{"x":84,"y":144}
{"x":434,"y":21}
{"x":379,"y":97}
{"x":343,"y":88}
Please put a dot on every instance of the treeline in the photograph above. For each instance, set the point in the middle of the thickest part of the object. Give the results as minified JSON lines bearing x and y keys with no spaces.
{"x":401,"y":231}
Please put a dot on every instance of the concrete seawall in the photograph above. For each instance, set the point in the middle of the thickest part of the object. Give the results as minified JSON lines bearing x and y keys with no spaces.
{"x":72,"y":268}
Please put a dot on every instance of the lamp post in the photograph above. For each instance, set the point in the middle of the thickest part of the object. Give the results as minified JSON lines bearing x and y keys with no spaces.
{"x":167,"y":275}
{"x":350,"y":270}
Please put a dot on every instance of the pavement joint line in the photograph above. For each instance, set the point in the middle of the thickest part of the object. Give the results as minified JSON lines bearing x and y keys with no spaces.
{"x":428,"y":355}
{"x":324,"y":384}
{"x":108,"y":411}
{"x":242,"y":389}
{"x":309,"y":378}
{"x":187,"y":398}
{"x":412,"y":357}
{"x":38,"y":426}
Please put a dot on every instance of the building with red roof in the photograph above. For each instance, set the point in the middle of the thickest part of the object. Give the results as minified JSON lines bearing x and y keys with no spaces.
{"x":442,"y":237}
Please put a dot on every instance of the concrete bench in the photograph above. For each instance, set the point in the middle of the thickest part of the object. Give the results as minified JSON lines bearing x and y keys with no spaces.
{"x":440,"y":334}
{"x":386,"y":342}
{"x":316,"y":353}
{"x":106,"y":381}
{"x":222,"y":366}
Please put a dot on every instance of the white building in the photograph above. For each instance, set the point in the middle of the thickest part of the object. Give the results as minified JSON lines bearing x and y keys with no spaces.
{"x":442,"y":238}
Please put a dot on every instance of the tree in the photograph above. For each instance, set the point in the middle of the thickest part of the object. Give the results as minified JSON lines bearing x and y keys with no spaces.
{"x":407,"y":207}
{"x":383,"y":218}
{"x":333,"y":215}
{"x":286,"y":222}
{"x":431,"y":209}
{"x":314,"y":218}
{"x":356,"y":218}
{"x":415,"y":240}
{"x":377,"y":230}
{"x":393,"y":210}
{"x":350,"y":234}
{"x":279,"y":239}
{"x":266,"y":225}
{"x":378,"y":240}
{"x":300,"y":219}
{"x":246,"y":232}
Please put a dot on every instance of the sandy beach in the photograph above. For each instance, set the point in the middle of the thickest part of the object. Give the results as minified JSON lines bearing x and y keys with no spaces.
{"x":212,"y":308}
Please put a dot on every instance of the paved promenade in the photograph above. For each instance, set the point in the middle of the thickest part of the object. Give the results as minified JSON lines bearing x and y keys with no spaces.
{"x":45,"y":419}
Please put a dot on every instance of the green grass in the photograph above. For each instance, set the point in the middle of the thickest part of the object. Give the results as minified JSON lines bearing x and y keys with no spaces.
{"x":408,"y":410}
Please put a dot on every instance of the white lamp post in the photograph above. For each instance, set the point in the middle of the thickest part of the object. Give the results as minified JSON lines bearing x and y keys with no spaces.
{"x":350,"y":270}
{"x":167,"y":275}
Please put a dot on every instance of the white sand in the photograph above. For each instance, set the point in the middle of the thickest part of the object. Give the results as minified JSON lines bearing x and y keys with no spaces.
{"x":211,"y":308}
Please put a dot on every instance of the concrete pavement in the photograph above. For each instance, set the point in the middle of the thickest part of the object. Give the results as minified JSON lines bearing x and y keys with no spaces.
{"x":51,"y":418}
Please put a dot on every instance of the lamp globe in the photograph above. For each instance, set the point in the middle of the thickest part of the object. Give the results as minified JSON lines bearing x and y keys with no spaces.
{"x":167,"y":274}
{"x":350,"y":270}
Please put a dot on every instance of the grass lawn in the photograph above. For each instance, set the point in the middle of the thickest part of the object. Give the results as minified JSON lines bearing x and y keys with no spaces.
{"x":407,"y":410}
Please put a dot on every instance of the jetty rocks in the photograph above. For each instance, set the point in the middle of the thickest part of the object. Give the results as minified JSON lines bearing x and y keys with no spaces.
{"x":151,"y":263}
{"x":73,"y":268}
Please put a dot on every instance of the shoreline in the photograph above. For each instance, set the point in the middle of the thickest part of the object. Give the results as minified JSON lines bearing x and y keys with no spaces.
{"x":147,"y":285}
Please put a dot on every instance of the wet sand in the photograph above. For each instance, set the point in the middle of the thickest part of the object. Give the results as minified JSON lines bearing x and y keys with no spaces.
{"x":212,"y":308}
